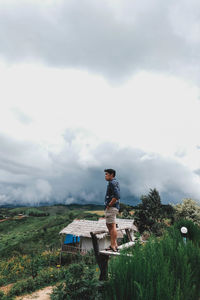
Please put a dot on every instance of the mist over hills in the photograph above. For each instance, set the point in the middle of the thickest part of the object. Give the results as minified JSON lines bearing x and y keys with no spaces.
{"x":128,"y":200}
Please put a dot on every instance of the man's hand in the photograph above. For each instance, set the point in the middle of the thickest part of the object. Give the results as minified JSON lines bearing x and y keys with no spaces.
{"x":112,"y":201}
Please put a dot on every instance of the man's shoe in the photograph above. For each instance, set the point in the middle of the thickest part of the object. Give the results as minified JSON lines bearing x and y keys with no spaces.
{"x":111,"y":248}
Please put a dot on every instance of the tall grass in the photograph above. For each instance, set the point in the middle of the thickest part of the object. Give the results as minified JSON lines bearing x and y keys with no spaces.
{"x":162,"y":269}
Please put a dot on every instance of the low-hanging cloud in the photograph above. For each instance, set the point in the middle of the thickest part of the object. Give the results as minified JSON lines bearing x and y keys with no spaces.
{"x":65,"y":177}
{"x":114,"y":39}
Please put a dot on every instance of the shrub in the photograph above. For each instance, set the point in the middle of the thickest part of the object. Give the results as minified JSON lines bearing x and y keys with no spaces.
{"x":188,"y":209}
{"x":3,"y":281}
{"x":36,"y":212}
{"x":158,"y":228}
{"x":22,"y":286}
{"x":5,"y":297}
{"x":43,"y":278}
{"x":193,"y":230}
{"x":80,"y":283}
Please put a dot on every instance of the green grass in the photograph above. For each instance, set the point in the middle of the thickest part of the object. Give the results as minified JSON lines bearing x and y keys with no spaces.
{"x":162,"y":269}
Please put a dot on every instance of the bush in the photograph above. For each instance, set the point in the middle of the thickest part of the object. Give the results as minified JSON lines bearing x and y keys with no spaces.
{"x":80,"y":283}
{"x":36,"y":212}
{"x":188,"y":209}
{"x":158,"y":228}
{"x":3,"y":281}
{"x":5,"y":297}
{"x":164,"y":268}
{"x":193,"y":230}
{"x":44,"y":277}
{"x":22,"y":286}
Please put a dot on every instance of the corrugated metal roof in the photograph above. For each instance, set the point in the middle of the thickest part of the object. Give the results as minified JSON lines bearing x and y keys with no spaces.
{"x":83,"y":227}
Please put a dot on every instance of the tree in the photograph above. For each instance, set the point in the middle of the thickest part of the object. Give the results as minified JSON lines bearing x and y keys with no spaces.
{"x":189,"y":209}
{"x":125,"y":207}
{"x":152,"y":204}
{"x":149,"y":212}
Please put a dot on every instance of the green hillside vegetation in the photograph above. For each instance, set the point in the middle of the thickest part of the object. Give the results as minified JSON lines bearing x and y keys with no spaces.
{"x":30,"y":245}
{"x":35,"y":232}
{"x":162,"y":268}
{"x":51,"y":209}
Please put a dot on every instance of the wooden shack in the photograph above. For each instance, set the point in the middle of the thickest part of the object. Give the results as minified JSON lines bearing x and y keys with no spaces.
{"x":76,"y":236}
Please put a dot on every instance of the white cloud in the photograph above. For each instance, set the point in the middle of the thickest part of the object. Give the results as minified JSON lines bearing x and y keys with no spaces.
{"x":150,"y":111}
{"x":71,"y":176}
{"x":97,"y":84}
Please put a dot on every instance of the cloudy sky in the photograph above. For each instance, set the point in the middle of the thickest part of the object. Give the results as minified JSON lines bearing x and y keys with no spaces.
{"x":88,"y":85}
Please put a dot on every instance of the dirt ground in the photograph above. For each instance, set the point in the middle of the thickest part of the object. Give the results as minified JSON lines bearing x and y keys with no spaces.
{"x":6,"y":288}
{"x":42,"y":294}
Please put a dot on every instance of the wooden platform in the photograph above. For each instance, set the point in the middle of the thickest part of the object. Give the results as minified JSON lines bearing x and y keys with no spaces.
{"x":126,"y":245}
{"x":102,"y":256}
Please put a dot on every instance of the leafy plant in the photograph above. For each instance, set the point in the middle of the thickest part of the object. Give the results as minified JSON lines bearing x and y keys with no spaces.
{"x":81,"y":282}
{"x":5,"y":297}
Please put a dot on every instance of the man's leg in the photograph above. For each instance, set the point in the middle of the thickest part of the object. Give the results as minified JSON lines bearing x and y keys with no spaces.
{"x":113,"y":234}
{"x":109,"y":226}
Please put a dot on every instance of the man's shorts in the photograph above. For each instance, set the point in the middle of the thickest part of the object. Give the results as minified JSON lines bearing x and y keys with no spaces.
{"x":110,"y":214}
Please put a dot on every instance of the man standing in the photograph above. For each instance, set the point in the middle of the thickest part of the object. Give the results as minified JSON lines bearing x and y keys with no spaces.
{"x":111,"y":205}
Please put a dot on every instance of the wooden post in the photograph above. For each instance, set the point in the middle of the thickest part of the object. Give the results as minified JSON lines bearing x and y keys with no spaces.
{"x":79,"y":246}
{"x":102,"y":256}
{"x":61,"y":250}
{"x":102,"y":260}
{"x":129,"y":235}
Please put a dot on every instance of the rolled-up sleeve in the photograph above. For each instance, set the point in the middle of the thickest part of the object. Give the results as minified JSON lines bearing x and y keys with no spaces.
{"x":115,"y":189}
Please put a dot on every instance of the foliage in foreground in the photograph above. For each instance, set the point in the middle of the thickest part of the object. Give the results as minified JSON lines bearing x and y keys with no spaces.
{"x":5,"y":297}
{"x":81,"y":282}
{"x":164,"y":268}
{"x":44,"y":277}
{"x":38,"y":274}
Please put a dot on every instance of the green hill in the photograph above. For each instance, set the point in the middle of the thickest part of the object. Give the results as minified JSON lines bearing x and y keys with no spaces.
{"x":37,"y":228}
{"x":30,"y":245}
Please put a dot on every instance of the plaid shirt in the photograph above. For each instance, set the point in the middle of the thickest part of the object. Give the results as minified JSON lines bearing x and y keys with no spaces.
{"x":113,"y":191}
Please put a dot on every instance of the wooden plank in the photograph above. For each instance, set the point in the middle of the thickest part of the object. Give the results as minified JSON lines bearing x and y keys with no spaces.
{"x":105,"y":252}
{"x":126,"y":245}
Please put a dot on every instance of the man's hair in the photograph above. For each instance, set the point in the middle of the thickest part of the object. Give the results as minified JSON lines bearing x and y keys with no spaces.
{"x":110,"y":171}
